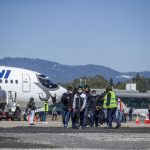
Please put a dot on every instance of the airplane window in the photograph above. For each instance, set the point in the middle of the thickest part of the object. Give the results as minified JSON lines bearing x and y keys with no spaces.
{"x":47,"y":83}
{"x":43,"y":76}
{"x":16,"y":81}
{"x":6,"y":81}
{"x":44,"y":82}
{"x":11,"y":81}
{"x":0,"y":80}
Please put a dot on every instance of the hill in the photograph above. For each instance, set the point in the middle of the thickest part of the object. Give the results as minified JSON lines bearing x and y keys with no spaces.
{"x":65,"y":73}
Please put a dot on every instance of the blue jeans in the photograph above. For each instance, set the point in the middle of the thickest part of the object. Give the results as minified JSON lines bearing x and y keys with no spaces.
{"x":86,"y":112}
{"x":130,"y":117}
{"x":72,"y":116}
{"x":111,"y":114}
{"x":65,"y":117}
{"x":44,"y":117}
{"x":119,"y":116}
{"x":94,"y":117}
{"x":105,"y":111}
{"x":79,"y":118}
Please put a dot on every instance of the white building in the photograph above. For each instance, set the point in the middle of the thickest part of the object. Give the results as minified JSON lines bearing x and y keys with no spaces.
{"x":131,"y":87}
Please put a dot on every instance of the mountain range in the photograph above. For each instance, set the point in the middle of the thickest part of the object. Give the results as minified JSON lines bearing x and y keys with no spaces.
{"x":65,"y":73}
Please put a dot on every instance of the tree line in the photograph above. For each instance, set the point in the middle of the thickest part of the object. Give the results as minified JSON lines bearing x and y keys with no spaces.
{"x":142,"y":83}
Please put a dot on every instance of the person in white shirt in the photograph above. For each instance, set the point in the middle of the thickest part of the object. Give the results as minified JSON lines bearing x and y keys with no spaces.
{"x":79,"y":104}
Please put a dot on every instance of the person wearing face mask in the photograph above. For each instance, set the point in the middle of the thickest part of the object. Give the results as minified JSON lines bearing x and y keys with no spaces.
{"x":67,"y":101}
{"x":86,"y":91}
{"x":94,"y":108}
{"x":79,"y":104}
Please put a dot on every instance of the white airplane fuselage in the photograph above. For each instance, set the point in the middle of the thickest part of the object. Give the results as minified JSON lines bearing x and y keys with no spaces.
{"x":21,"y":85}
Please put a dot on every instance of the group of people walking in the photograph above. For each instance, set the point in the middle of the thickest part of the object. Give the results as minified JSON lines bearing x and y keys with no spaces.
{"x":85,"y":107}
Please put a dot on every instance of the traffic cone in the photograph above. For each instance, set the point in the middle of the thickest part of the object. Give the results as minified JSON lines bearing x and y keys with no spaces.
{"x":147,"y":121}
{"x":137,"y":120}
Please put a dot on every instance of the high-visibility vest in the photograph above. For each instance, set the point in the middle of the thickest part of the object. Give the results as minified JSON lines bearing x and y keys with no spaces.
{"x":45,"y":108}
{"x":113,"y":102}
{"x":105,"y":102}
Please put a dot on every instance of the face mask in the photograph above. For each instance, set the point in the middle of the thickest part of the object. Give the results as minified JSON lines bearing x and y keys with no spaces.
{"x":69,"y":92}
{"x":80,"y":91}
{"x":93,"y":94}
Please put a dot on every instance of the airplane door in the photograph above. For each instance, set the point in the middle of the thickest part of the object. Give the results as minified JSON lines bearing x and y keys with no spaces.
{"x":26,"y":83}
{"x":12,"y":96}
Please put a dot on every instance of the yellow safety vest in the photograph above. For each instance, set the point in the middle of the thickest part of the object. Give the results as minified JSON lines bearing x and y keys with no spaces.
{"x":113,"y":102}
{"x":105,"y":102}
{"x":45,"y":108}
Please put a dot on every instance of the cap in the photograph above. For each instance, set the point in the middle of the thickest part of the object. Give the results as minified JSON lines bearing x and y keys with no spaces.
{"x":86,"y":86}
{"x":80,"y":87}
{"x":69,"y":88}
{"x":93,"y":91}
{"x":109,"y":88}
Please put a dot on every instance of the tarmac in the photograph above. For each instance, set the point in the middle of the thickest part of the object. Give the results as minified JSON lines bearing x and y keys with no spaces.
{"x":52,"y":135}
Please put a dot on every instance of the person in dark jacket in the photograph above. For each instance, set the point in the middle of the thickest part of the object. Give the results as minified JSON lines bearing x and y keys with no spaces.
{"x":31,"y":109}
{"x":79,"y":104}
{"x":94,"y":108}
{"x":130,"y":114}
{"x":86,"y":91}
{"x":53,"y":98}
{"x":67,"y":100}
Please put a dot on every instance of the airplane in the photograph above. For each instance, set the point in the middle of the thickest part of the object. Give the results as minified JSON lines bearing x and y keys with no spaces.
{"x":22,"y":84}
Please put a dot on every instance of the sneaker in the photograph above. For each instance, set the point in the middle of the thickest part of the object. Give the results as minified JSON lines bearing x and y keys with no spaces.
{"x":76,"y":127}
{"x":65,"y":126}
{"x":118,"y":126}
{"x":45,"y":122}
{"x":32,"y":124}
{"x":110,"y":126}
{"x":83,"y":127}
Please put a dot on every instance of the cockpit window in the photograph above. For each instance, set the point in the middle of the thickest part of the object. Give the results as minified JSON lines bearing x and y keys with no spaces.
{"x":43,"y":76}
{"x":46,"y":82}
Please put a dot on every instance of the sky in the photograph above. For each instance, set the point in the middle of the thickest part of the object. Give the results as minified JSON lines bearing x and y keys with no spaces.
{"x":112,"y":33}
